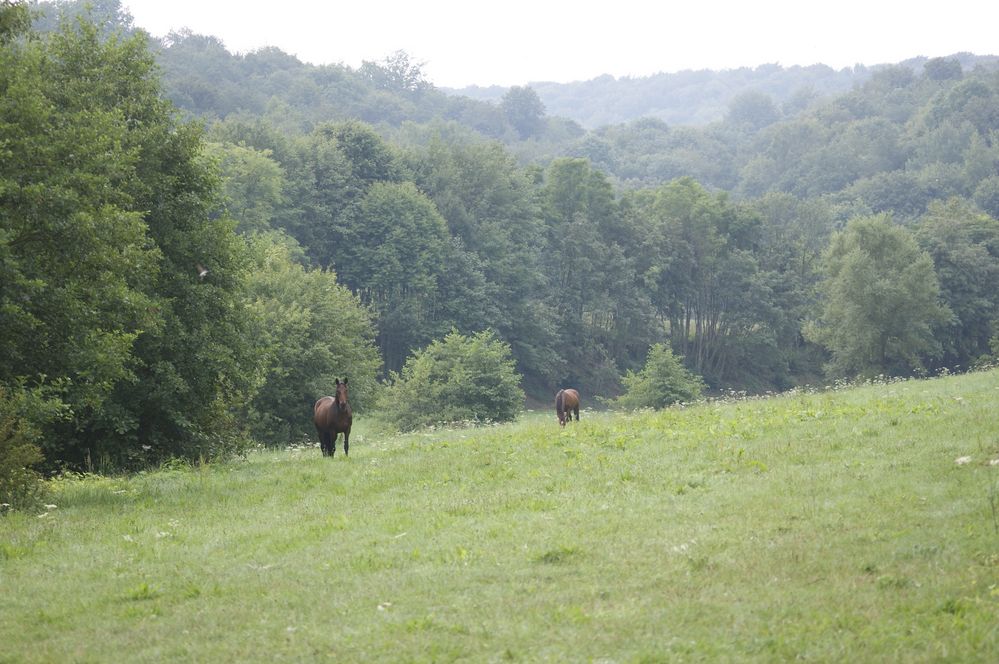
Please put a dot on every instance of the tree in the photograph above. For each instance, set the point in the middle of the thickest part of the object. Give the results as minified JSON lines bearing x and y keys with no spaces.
{"x":457,"y":379}
{"x":586,"y":287}
{"x":881,"y":301}
{"x":15,"y":19}
{"x":397,"y":72}
{"x":329,"y":173}
{"x":964,"y":246}
{"x":393,"y":255}
{"x":752,"y":110}
{"x":524,"y":110}
{"x":252,"y":185}
{"x":718,"y":304}
{"x":106,"y":226}
{"x":76,"y":262}
{"x":494,"y":277}
{"x":661,"y":382}
{"x":942,"y":69}
{"x":20,"y":484}
{"x":987,"y":196}
{"x":109,"y":16}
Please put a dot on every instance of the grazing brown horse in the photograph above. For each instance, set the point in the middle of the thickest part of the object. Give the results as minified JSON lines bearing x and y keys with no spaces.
{"x":566,"y":403}
{"x":331,"y":416}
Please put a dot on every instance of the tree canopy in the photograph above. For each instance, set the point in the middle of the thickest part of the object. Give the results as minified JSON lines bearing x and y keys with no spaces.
{"x":882,"y":301}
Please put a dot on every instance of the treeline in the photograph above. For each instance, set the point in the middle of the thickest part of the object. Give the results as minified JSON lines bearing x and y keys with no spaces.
{"x":135,"y":324}
{"x":690,"y":98}
{"x":701,"y":97}
{"x":893,"y":144}
{"x":864,"y":140}
{"x":904,"y":136}
{"x":167,"y":288}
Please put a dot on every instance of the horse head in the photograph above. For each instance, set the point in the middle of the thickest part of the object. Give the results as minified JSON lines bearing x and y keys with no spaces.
{"x":341,"y":393}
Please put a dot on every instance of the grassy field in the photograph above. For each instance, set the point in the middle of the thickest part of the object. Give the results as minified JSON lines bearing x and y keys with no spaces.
{"x":849,"y":525}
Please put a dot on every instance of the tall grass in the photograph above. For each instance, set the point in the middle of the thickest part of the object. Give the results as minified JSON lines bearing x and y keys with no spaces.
{"x":848,"y":525}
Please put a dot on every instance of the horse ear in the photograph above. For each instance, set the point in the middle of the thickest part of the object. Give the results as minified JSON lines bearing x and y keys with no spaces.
{"x":337,"y":380}
{"x":344,"y":380}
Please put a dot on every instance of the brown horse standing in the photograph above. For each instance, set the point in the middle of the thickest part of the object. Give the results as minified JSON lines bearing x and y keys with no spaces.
{"x":331,"y":416}
{"x":566,"y":403}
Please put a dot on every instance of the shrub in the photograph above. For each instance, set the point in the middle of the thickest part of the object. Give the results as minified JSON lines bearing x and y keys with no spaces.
{"x":457,"y":379}
{"x":20,"y":485}
{"x":661,"y":382}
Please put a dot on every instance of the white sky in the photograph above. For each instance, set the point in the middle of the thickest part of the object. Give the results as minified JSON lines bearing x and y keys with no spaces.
{"x":514,"y":42}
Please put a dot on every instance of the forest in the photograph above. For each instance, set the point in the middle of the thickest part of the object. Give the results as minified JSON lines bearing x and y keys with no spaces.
{"x":195,"y":243}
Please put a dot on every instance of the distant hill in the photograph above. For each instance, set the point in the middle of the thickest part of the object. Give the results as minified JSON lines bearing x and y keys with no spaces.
{"x":691,"y":98}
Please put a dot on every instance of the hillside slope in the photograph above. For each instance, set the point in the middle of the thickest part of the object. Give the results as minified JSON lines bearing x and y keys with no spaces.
{"x":848,"y":525}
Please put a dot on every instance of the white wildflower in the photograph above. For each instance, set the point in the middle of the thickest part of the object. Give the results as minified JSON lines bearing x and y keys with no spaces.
{"x":962,"y":460}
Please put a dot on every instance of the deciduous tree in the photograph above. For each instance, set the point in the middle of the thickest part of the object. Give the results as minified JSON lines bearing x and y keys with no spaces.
{"x":881,"y":301}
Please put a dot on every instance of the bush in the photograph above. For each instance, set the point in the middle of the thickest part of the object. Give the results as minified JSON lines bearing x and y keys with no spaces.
{"x":456,"y":379}
{"x":661,"y":382}
{"x":20,"y":485}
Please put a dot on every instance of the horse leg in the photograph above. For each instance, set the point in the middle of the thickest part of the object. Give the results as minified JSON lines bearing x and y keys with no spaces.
{"x":575,"y":410}
{"x":324,"y":445}
{"x":346,"y":441}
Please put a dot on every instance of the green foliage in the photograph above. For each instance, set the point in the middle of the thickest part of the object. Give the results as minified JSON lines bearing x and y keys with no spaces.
{"x":459,"y":378}
{"x":524,"y":110}
{"x":15,"y":19}
{"x":964,"y":245}
{"x":106,"y":223}
{"x":987,"y":195}
{"x":592,"y":259}
{"x":752,"y":110}
{"x":20,"y":485}
{"x":394,"y":256}
{"x":308,"y":331}
{"x":663,"y":381}
{"x":493,"y":277}
{"x":881,"y":301}
{"x":716,"y":285}
{"x":397,"y":73}
{"x":942,"y":69}
{"x":76,"y":260}
{"x":108,"y":16}
{"x":252,"y":185}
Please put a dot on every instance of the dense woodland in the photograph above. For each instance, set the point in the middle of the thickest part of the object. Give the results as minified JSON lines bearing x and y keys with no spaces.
{"x":195,"y":243}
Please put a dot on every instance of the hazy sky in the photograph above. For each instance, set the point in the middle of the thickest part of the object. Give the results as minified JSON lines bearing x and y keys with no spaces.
{"x":513,"y":42}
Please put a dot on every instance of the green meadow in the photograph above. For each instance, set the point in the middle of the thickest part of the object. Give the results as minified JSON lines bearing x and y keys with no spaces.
{"x":851,"y":524}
